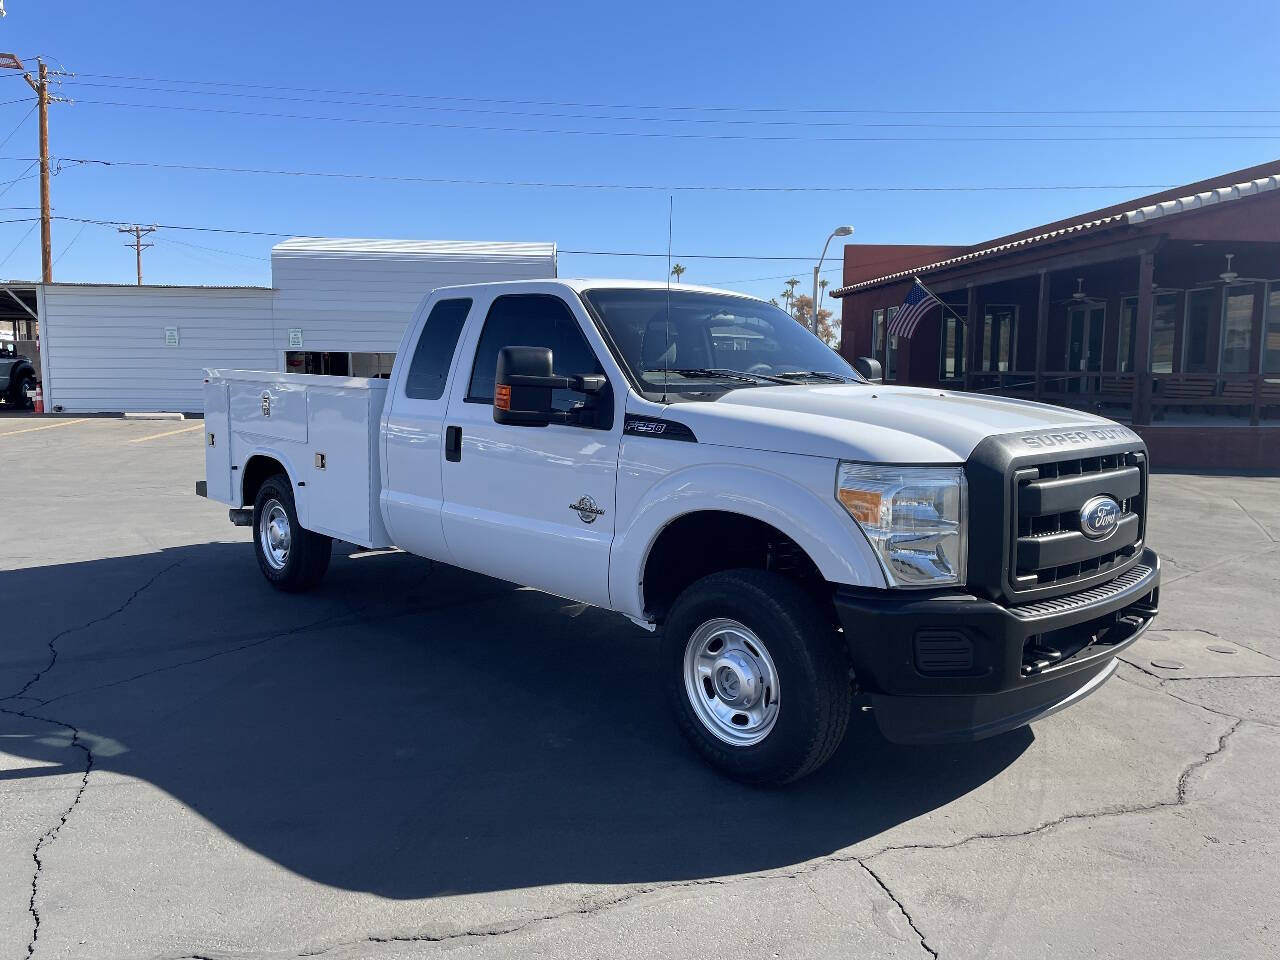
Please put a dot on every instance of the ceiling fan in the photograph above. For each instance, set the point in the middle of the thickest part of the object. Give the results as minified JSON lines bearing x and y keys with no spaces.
{"x":1229,"y":276}
{"x":1078,"y":296}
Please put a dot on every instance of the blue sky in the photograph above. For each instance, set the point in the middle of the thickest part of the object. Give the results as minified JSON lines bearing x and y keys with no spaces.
{"x":446,"y":65}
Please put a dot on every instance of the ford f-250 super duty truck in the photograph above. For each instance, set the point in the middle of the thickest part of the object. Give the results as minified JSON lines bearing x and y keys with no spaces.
{"x":699,"y":462}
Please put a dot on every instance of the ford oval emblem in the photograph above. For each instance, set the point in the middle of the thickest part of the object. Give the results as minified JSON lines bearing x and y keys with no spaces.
{"x":1099,"y":518}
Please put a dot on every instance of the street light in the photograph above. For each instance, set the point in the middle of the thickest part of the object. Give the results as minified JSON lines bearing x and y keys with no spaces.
{"x":844,"y":231}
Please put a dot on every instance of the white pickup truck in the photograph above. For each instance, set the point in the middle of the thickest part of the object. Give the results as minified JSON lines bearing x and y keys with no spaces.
{"x":801,"y":537}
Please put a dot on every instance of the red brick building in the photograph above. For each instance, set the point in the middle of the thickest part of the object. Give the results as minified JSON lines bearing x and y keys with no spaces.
{"x":1163,"y":312}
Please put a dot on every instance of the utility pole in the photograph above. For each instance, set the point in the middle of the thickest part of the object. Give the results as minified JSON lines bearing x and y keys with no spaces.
{"x":138,"y":246}
{"x":41,"y":87}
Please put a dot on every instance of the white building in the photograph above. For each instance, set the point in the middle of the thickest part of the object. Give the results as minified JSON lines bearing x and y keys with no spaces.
{"x":334,"y":306}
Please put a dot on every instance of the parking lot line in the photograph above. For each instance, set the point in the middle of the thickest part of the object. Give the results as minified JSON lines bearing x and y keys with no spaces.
{"x":47,"y":426}
{"x":167,"y":433}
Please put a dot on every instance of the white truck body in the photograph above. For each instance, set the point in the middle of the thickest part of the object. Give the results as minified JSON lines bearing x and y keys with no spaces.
{"x":302,"y":421}
{"x":579,"y":510}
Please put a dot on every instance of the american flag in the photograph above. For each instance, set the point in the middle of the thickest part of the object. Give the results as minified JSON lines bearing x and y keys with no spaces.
{"x":919,"y":302}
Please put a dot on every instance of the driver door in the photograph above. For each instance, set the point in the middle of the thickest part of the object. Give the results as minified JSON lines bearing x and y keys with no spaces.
{"x":534,"y":505}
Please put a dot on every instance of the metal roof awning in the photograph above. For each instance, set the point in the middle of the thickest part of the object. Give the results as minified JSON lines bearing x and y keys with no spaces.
{"x":1135,"y":217}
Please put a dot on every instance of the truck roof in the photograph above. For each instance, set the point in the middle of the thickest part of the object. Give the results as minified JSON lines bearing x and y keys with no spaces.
{"x":579,"y":284}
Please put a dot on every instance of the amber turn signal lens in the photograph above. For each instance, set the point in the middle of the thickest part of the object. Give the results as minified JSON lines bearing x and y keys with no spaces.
{"x":502,"y":397}
{"x":863,"y":505}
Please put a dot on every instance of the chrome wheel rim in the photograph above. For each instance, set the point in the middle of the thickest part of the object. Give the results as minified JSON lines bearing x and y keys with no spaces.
{"x":274,"y":534}
{"x":731,"y":682}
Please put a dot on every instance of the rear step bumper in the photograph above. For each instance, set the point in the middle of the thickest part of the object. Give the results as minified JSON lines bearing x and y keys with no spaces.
{"x":948,"y":667}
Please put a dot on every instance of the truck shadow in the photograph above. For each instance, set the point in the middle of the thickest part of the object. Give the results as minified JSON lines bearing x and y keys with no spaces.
{"x":413,"y":730}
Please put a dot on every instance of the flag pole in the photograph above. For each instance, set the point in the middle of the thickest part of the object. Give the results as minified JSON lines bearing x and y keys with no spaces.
{"x":942,"y":303}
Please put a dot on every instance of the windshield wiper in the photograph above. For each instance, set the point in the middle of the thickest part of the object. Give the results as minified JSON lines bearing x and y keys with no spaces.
{"x":720,"y":373}
{"x":820,"y":374}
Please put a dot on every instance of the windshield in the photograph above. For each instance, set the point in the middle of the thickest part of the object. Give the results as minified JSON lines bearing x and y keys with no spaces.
{"x":710,"y":342}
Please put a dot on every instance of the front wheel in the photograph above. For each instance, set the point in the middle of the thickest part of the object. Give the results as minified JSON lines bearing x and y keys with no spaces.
{"x":757,"y":674}
{"x":291,"y":558}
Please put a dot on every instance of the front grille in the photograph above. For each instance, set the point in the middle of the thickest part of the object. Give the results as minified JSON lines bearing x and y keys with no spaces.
{"x":1048,"y":547}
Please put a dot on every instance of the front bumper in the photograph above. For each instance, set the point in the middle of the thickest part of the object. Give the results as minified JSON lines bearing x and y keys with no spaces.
{"x":946,"y":667}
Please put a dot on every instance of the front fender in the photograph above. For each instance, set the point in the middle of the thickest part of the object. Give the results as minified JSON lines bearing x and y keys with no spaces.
{"x":790,"y":503}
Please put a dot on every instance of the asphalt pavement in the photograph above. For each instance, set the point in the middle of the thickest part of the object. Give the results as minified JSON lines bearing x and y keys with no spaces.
{"x":414,"y":759}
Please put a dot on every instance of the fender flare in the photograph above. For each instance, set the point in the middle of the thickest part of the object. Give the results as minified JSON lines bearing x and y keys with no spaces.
{"x":822,"y":529}
{"x":278,"y":455}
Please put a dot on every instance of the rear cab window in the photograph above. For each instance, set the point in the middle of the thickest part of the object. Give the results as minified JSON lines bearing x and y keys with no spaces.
{"x":433,"y":355}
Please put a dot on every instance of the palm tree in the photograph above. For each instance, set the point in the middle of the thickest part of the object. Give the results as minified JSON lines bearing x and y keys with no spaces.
{"x":677,"y":270}
{"x":822,"y":287}
{"x":791,"y":291}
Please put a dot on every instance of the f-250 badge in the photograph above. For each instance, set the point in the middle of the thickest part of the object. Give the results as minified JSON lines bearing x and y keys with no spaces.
{"x":586,"y":509}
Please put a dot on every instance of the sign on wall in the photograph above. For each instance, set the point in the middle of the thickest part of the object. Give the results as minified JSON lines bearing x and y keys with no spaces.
{"x":171,"y":336}
{"x":295,"y":337}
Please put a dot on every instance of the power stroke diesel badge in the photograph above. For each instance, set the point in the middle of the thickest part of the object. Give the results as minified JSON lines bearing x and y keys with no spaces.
{"x":586,"y":509}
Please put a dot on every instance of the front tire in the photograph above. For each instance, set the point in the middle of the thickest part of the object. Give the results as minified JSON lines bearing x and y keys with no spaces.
{"x":291,"y":558}
{"x":757,"y":674}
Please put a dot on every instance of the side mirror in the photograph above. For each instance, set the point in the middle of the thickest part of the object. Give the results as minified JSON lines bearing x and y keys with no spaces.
{"x":869,"y":368}
{"x":522,"y":386}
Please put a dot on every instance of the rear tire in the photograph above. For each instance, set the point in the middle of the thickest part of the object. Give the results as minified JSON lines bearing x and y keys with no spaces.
{"x":757,"y":674}
{"x":18,"y":392}
{"x":291,"y":558}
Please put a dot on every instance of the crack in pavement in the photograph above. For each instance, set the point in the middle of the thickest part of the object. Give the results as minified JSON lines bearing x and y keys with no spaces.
{"x":1256,"y":522}
{"x":901,"y":907}
{"x":52,"y":833}
{"x":53,"y":641}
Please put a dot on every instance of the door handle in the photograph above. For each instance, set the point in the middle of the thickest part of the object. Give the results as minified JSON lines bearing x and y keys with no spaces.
{"x":453,"y":444}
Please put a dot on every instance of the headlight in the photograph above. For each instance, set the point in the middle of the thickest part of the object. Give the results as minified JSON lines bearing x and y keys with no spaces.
{"x":915,"y":517}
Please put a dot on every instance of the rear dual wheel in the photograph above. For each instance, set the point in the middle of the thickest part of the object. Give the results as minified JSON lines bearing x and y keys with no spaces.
{"x":757,"y":674}
{"x":291,"y":558}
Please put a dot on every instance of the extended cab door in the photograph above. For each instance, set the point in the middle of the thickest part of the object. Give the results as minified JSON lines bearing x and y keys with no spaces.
{"x":534,"y":505}
{"x":413,"y":428}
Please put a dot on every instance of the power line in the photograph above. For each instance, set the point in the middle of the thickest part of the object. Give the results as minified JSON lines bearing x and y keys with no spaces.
{"x":18,"y":125}
{"x":710,"y":108}
{"x":587,"y":253}
{"x":435,"y":107}
{"x":474,"y":181}
{"x":663,"y":134}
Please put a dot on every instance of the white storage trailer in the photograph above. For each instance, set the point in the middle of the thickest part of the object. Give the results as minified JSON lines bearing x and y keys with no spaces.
{"x":335,"y":306}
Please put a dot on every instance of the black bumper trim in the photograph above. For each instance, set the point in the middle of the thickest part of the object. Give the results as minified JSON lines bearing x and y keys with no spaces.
{"x":1027,"y":661}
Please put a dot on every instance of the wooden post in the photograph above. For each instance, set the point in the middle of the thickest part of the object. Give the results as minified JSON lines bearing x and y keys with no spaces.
{"x":1042,"y":331}
{"x":41,"y":87}
{"x":1259,"y":321}
{"x":1142,"y":339}
{"x":973,"y":331}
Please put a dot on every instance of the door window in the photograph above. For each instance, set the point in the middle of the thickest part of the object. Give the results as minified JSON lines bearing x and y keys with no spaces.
{"x":434,"y":352}
{"x":1271,"y":343}
{"x":1195,"y":335}
{"x":1164,"y":318}
{"x":1237,"y":329}
{"x":533,"y":320}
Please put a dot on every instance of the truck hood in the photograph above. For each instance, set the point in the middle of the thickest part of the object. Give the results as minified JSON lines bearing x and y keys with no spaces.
{"x":873,"y":422}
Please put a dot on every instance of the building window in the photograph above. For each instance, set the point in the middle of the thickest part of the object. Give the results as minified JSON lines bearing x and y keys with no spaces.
{"x":1164,"y":320}
{"x":951,"y":362}
{"x":999,"y":331}
{"x":1195,"y":331}
{"x":327,"y":362}
{"x":877,"y":335}
{"x":1128,"y":334}
{"x":375,"y":366}
{"x":1271,"y":343}
{"x":1237,"y":329}
{"x":891,"y":354}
